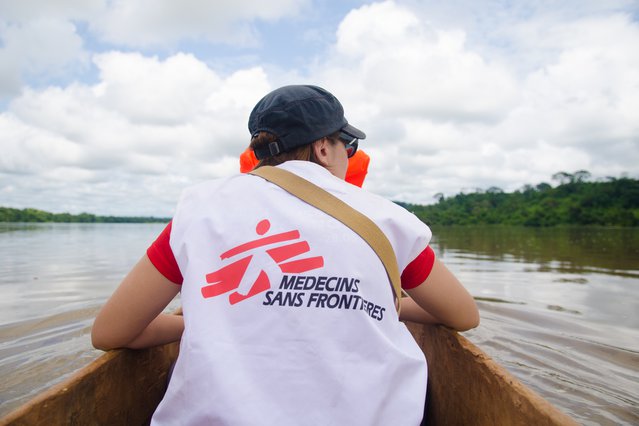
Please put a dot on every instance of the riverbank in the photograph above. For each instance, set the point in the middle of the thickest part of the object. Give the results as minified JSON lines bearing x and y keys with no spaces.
{"x":613,"y":202}
{"x":30,"y":215}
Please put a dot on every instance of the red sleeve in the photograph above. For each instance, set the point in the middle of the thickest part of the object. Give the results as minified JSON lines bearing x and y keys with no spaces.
{"x":419,"y":269}
{"x":162,"y":257}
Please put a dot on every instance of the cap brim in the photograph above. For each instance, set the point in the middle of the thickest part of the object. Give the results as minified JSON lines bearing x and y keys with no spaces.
{"x":353,"y":131}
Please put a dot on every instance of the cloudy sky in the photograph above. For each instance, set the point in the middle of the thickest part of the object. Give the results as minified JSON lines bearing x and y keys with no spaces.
{"x":113,"y":106}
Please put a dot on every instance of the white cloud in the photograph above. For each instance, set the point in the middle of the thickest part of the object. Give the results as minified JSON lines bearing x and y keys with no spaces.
{"x":448,"y":104}
{"x":26,"y":10}
{"x":526,"y":34}
{"x":415,"y":70}
{"x":455,"y":119}
{"x":146,"y":122}
{"x":29,"y":150}
{"x":150,"y":91}
{"x":42,"y":45}
{"x":150,"y":22}
{"x":41,"y":40}
{"x":591,"y":94}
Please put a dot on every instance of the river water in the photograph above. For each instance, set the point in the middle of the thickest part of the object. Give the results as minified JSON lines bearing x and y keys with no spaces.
{"x":559,"y":307}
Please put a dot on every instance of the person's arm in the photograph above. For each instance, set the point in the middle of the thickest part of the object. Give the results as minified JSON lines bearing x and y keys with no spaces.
{"x":443,"y":300}
{"x":132,"y":317}
{"x":411,"y":311}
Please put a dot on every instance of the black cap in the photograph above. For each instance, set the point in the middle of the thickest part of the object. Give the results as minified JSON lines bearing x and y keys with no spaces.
{"x":298,"y":115}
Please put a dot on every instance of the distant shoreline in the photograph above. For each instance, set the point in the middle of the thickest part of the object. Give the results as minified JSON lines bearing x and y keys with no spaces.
{"x":31,"y":215}
{"x":575,"y":201}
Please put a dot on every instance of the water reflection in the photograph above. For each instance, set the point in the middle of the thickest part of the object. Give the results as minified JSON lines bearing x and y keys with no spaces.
{"x":9,"y":227}
{"x":560,"y":309}
{"x":53,"y":278}
{"x":565,"y":249}
{"x":591,"y":378}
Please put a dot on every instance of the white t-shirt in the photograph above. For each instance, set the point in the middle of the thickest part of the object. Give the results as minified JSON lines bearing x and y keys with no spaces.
{"x":289,"y":315}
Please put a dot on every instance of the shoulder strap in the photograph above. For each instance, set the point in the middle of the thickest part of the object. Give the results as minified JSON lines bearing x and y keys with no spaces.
{"x":333,"y":206}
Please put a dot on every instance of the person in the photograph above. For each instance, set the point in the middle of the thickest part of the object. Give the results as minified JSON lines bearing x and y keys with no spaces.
{"x":288,"y":315}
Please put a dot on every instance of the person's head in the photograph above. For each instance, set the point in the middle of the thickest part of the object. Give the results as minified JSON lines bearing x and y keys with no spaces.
{"x":302,"y":122}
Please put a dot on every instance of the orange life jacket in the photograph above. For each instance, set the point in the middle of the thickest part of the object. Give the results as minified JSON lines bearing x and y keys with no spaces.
{"x":355,"y":174}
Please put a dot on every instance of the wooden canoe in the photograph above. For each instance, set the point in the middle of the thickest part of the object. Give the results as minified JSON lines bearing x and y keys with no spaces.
{"x":124,"y":386}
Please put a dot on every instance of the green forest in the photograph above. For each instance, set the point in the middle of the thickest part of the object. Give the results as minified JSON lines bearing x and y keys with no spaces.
{"x":574,"y":201}
{"x":34,"y":215}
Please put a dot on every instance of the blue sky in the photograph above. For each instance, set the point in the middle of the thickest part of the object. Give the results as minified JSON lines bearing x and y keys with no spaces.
{"x":113,"y":106}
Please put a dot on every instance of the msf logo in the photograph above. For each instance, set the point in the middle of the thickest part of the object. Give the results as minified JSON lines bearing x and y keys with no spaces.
{"x":234,"y":276}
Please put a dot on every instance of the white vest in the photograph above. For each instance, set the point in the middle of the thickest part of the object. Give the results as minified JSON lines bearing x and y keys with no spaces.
{"x":289,"y":315}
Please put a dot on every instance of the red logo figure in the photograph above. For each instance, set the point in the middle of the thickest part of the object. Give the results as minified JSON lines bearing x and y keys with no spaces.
{"x":231,"y":276}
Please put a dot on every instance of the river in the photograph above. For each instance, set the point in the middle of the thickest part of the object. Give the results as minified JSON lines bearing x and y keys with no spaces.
{"x":559,"y":307}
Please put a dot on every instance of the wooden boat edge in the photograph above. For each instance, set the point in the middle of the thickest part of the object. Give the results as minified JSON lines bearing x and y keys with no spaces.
{"x":487,"y":395}
{"x":116,"y":376}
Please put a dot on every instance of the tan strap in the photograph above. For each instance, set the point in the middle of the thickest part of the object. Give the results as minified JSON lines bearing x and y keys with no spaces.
{"x":333,"y":206}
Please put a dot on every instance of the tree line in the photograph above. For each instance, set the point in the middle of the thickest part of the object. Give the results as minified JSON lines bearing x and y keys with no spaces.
{"x":574,"y":201}
{"x":8,"y":214}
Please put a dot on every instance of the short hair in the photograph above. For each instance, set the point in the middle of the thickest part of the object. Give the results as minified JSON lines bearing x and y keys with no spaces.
{"x":303,"y":153}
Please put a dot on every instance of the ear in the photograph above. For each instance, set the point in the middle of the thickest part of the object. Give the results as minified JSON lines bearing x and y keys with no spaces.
{"x":320,"y":149}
